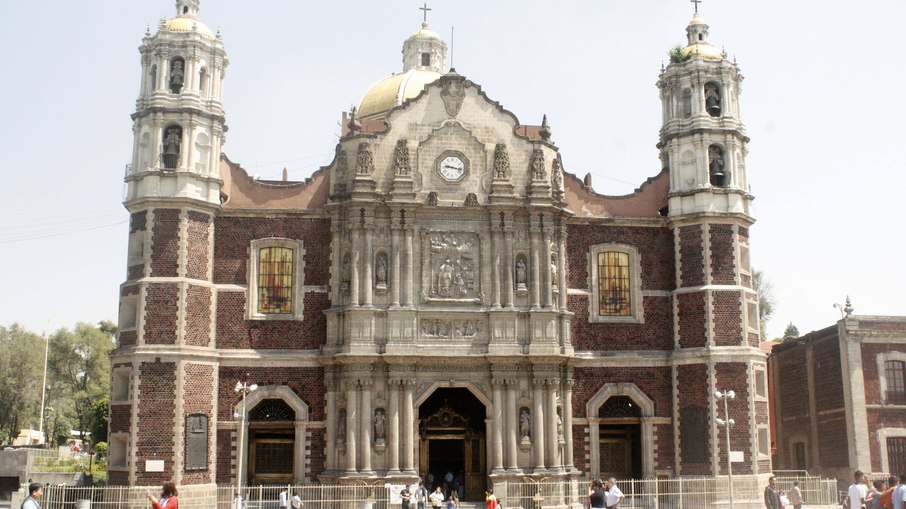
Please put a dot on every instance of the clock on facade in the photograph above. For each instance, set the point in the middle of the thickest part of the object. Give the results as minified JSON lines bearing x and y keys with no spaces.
{"x":451,"y":166}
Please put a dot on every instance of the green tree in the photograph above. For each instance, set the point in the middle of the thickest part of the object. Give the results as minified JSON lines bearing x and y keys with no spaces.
{"x":765,"y":290}
{"x":21,"y":374}
{"x":791,"y":332}
{"x":80,"y":363}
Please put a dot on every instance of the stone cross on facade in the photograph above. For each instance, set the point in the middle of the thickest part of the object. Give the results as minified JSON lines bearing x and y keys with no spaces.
{"x":425,"y":10}
{"x":696,"y":2}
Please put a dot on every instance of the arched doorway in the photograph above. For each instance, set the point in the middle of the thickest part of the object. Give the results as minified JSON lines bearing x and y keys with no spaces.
{"x":452,"y":441}
{"x":272,"y":443}
{"x":619,"y":438}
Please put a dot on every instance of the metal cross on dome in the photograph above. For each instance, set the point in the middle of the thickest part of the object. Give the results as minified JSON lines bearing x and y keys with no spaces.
{"x":425,"y":9}
{"x":696,"y":2}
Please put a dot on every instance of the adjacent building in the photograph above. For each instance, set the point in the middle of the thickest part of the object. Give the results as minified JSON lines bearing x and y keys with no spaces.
{"x":442,"y":297}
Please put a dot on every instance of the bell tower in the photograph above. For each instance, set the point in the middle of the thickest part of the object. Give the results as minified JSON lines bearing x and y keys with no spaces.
{"x":165,"y":347}
{"x":703,"y":147}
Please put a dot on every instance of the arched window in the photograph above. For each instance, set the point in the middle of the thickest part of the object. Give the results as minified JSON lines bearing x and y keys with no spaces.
{"x":152,"y":76}
{"x":426,"y":59}
{"x":687,"y":103}
{"x":171,"y":146}
{"x":203,"y":82}
{"x":275,"y":282}
{"x":712,"y":99}
{"x":717,"y":168}
{"x":615,"y":283}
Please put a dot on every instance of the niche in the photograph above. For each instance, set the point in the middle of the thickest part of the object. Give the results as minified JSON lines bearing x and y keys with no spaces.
{"x":203,"y":82}
{"x":152,"y":86}
{"x":177,"y":74}
{"x":712,"y":99}
{"x":171,"y":146}
{"x":380,"y":271}
{"x":686,"y":103}
{"x":717,"y":167}
{"x":521,"y":271}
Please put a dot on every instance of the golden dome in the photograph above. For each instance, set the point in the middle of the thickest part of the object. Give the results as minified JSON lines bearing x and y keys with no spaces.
{"x":703,"y":49}
{"x":395,"y":90}
{"x":187,"y":24}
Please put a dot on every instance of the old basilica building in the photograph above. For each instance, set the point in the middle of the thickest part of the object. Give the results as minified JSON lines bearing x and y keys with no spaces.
{"x":558,"y":332}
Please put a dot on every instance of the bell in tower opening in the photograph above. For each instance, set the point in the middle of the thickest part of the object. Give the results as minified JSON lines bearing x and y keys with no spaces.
{"x":172,"y":142}
{"x":712,"y":99}
{"x":716,"y":166}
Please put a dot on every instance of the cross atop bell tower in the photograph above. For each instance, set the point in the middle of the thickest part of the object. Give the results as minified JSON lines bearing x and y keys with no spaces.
{"x":425,"y":10}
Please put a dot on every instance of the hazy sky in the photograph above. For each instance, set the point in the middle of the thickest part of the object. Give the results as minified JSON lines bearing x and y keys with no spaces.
{"x":823,"y":102}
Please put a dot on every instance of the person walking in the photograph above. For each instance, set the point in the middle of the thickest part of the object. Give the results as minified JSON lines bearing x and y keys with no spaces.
{"x":490,"y":501}
{"x":34,"y":497}
{"x":405,"y":497}
{"x":284,"y":499}
{"x":796,"y":496}
{"x":169,"y":497}
{"x":613,"y":496}
{"x":857,"y":492}
{"x":772,"y":494}
{"x":421,"y":495}
{"x":296,"y":502}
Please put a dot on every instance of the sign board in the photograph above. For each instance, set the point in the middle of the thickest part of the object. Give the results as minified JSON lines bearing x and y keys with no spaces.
{"x":154,"y":465}
{"x":737,"y":456}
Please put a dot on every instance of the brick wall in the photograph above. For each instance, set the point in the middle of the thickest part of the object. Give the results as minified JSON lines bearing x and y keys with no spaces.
{"x":663,"y":456}
{"x":723,"y":254}
{"x":727,"y":318}
{"x":224,"y":450}
{"x":198,"y":394}
{"x":655,"y":334}
{"x":160,"y":313}
{"x":655,"y":246}
{"x":692,"y":264}
{"x":198,"y":316}
{"x":691,"y":319}
{"x":655,"y":382}
{"x":197,"y":234}
{"x":120,"y":417}
{"x":155,"y":440}
{"x":138,"y":221}
{"x":234,"y":331}
{"x":316,"y":451}
{"x":165,"y":243}
{"x":735,"y":376}
{"x":307,"y":383}
{"x":233,"y":237}
{"x":692,"y":379}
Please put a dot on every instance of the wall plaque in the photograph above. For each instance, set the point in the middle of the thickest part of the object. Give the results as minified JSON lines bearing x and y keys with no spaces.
{"x":694,"y":434}
{"x":196,"y":442}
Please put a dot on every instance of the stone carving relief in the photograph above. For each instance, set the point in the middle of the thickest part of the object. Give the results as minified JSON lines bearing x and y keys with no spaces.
{"x":401,"y":160}
{"x":453,"y":93}
{"x":432,"y":199}
{"x":557,"y":175}
{"x":341,"y":426}
{"x":451,"y":266}
{"x":345,"y":273}
{"x":471,"y":200}
{"x":538,"y":171}
{"x":501,"y":162}
{"x":364,"y":164}
{"x":554,"y":272}
{"x":451,"y":329}
{"x":342,"y":163}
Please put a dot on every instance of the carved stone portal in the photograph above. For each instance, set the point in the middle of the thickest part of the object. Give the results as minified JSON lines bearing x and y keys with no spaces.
{"x":451,"y":264}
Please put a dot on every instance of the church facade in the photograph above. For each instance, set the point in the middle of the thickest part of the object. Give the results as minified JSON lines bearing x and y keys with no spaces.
{"x":442,"y":297}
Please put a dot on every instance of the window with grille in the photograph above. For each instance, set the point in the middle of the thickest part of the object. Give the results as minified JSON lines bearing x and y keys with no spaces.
{"x":613,"y":284}
{"x":275,"y":280}
{"x":895,"y":372}
{"x":896,"y":454}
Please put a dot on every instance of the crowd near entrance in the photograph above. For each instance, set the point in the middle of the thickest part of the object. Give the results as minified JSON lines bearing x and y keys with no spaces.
{"x":452,"y":443}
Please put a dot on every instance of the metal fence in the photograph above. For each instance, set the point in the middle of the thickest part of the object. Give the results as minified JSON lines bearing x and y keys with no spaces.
{"x":679,"y":493}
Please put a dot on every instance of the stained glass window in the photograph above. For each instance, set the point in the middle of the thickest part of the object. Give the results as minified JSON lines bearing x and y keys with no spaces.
{"x":613,"y":284}
{"x":275,"y":280}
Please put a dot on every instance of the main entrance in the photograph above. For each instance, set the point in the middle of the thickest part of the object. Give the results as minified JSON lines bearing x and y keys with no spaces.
{"x":271,"y":443}
{"x":452,"y":443}
{"x":620,"y":438}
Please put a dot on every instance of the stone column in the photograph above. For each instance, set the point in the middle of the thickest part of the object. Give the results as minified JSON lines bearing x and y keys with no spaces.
{"x":352,"y":426}
{"x":512,"y":426}
{"x":154,"y":160}
{"x":163,"y":71}
{"x":568,"y":424}
{"x":393,"y":454}
{"x":331,"y":431}
{"x":546,"y":281}
{"x":354,"y":294}
{"x":497,"y":427}
{"x":410,"y":275}
{"x":395,"y":270}
{"x":552,"y":442}
{"x":508,"y":261}
{"x":561,"y":284}
{"x":190,"y":147}
{"x":495,"y":267}
{"x":535,"y":233}
{"x":538,"y":428}
{"x":408,"y":433}
{"x":366,"y":427}
{"x":368,"y":272}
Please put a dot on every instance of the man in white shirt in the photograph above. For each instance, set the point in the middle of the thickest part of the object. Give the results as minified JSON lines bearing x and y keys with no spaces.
{"x":284,"y":502}
{"x":34,"y":495}
{"x":857,"y":491}
{"x":296,"y":502}
{"x":613,"y":497}
{"x":899,"y":494}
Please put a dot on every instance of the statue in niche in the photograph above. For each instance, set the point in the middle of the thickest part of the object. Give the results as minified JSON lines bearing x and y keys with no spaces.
{"x":501,"y":162}
{"x":345,"y":273}
{"x":379,"y":421}
{"x":520,"y":274}
{"x":712,"y":100}
{"x":554,"y":272}
{"x":557,"y":175}
{"x":177,"y":76}
{"x":432,"y":199}
{"x":380,"y":271}
{"x":341,"y":426}
{"x":559,"y":425}
{"x":172,"y":143}
{"x":525,"y":424}
{"x":716,"y":166}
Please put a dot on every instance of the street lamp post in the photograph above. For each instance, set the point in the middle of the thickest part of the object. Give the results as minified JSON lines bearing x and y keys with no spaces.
{"x":243,"y":388}
{"x":727,"y":423}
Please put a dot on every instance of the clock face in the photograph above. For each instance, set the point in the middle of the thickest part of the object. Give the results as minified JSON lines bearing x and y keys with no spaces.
{"x":451,"y":167}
